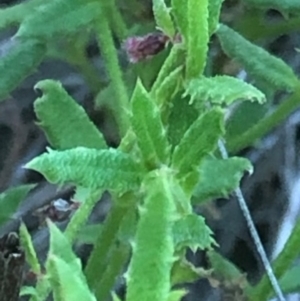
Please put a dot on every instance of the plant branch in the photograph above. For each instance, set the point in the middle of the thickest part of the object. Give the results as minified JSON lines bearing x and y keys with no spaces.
{"x":266,"y":124}
{"x":109,"y":52}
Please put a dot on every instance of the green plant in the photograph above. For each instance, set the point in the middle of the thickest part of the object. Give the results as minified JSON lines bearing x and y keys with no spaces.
{"x":171,"y":155}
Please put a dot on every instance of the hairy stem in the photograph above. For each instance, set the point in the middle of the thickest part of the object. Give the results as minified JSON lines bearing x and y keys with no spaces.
{"x":110,"y":56}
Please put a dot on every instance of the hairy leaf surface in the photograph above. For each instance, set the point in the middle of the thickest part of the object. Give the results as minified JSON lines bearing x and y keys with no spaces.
{"x":257,"y":61}
{"x":214,"y":9}
{"x":226,"y":175}
{"x":148,"y":127}
{"x":66,"y":281}
{"x":192,"y":232}
{"x":65,"y":122}
{"x":163,"y":17}
{"x":222,"y":90}
{"x":149,"y":270}
{"x":96,"y":169}
{"x":20,"y":60}
{"x":199,"y":140}
{"x":197,"y":37}
{"x":55,"y":17}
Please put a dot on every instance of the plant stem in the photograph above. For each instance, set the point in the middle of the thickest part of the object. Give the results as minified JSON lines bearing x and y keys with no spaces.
{"x":97,"y":262}
{"x":81,"y":215}
{"x":118,"y":258}
{"x":110,"y":56}
{"x":256,"y":239}
{"x":266,"y":124}
{"x":262,"y":291}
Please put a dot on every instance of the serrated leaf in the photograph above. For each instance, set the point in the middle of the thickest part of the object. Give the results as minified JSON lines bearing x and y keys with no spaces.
{"x":148,"y":276}
{"x":285,"y":6}
{"x":174,"y":60}
{"x":257,"y":61}
{"x":200,"y":139}
{"x":222,"y":90}
{"x":30,"y":254}
{"x":65,"y":122}
{"x":11,"y":199}
{"x":197,"y":37}
{"x":19,"y":61}
{"x":67,"y":283}
{"x":214,"y":9}
{"x":163,"y":18}
{"x":148,"y":127}
{"x":185,"y":272}
{"x":226,"y":175}
{"x":192,"y":232}
{"x":95,"y":169}
{"x":177,"y":295}
{"x":55,"y":17}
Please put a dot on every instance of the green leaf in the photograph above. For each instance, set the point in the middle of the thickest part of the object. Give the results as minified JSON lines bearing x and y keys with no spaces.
{"x":285,"y":6}
{"x":65,"y":123}
{"x":14,"y":15}
{"x":18,"y":63}
{"x":174,"y":60}
{"x":223,"y":268}
{"x":163,"y":18}
{"x":290,"y":282}
{"x":214,"y":9}
{"x":118,"y":258}
{"x":106,"y":239}
{"x":197,"y":37}
{"x":192,"y":232}
{"x":177,"y":295}
{"x":257,"y":61}
{"x":200,"y":139}
{"x":179,"y":10}
{"x":28,"y":247}
{"x":169,"y":87}
{"x":66,"y":282}
{"x":245,"y":115}
{"x":222,"y":90}
{"x":148,"y":127}
{"x":11,"y":199}
{"x":185,"y":272}
{"x":55,"y":17}
{"x":181,"y":117}
{"x":61,"y":247}
{"x":95,"y":169}
{"x":149,"y":271}
{"x":281,"y":264}
{"x":89,"y":233}
{"x":226,"y":175}
{"x":28,"y":290}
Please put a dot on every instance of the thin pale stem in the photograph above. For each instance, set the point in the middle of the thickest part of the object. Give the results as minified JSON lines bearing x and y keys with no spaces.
{"x":255,"y":236}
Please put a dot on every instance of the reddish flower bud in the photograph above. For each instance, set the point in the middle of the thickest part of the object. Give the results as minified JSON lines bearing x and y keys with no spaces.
{"x":145,"y":47}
